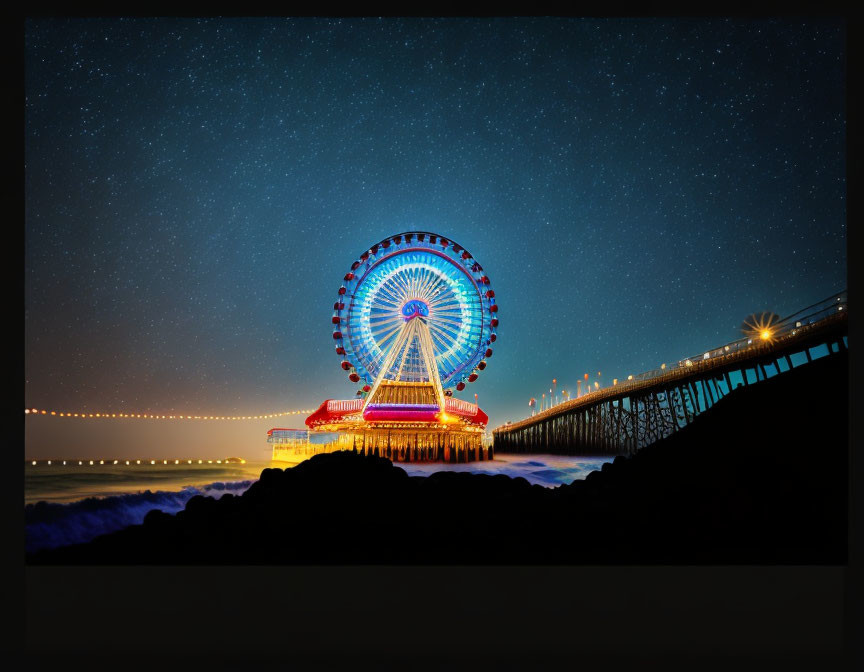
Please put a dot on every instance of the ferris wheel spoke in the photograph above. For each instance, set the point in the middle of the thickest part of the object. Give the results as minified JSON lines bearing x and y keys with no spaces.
{"x":436,"y":284}
{"x":379,"y":330}
{"x":447,"y":314}
{"x":399,"y":285}
{"x":385,"y":343}
{"x":388,"y":294}
{"x":419,"y":277}
{"x":444,"y":300}
{"x":442,"y":322}
{"x":384,"y":327}
{"x":429,"y":279}
{"x":413,"y":274}
{"x":450,"y":335}
{"x":444,"y":345}
{"x":451,"y":361}
{"x":385,"y":299}
{"x":447,"y":308}
{"x":451,"y":338}
{"x":381,"y":335}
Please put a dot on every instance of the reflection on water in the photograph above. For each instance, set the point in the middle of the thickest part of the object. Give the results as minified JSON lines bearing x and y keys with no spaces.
{"x":63,"y":484}
{"x":546,"y":470}
{"x":73,"y":504}
{"x":58,"y":483}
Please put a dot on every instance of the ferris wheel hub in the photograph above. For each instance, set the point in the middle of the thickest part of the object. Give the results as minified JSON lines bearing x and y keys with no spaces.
{"x":415,"y":308}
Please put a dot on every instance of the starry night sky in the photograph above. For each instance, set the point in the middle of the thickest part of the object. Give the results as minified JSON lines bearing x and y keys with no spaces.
{"x":196,"y":189}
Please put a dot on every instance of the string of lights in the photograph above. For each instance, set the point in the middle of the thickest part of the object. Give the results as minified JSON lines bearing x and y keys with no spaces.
{"x":155,"y":416}
{"x":92,"y":463}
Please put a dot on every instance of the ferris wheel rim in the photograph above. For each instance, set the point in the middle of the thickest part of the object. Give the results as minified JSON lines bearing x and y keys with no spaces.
{"x":462,"y":328}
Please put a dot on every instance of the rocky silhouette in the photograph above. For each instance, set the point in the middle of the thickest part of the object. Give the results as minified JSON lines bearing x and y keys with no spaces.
{"x":759,"y":478}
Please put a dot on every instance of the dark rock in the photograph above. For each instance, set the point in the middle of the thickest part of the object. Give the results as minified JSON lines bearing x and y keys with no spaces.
{"x":760,"y":477}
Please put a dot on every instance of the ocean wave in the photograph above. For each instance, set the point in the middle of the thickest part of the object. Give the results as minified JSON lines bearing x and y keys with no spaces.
{"x":49,"y":524}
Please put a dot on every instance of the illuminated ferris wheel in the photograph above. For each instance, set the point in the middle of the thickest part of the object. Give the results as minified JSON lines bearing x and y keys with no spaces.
{"x":416,"y":308}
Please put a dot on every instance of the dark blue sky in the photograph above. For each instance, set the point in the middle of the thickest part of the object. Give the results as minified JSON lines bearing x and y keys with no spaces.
{"x":195,"y":190}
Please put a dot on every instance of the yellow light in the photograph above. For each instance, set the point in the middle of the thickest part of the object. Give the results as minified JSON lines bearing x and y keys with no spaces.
{"x":662,"y":367}
{"x":630,"y":377}
{"x":137,"y":461}
{"x":200,"y":461}
{"x":49,"y":461}
{"x":115,"y":461}
{"x":91,"y":461}
{"x":101,"y":461}
{"x":34,"y":463}
{"x":151,"y":416}
{"x":761,"y":326}
{"x":127,"y":461}
{"x":152,"y":461}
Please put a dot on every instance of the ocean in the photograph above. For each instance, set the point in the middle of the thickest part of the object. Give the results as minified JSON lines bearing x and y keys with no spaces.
{"x":72,"y":503}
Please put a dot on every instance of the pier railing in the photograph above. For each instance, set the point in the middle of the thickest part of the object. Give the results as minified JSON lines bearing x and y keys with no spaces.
{"x":624,"y":416}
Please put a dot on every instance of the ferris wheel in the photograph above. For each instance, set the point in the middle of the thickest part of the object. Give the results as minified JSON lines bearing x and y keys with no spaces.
{"x":415,"y":308}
